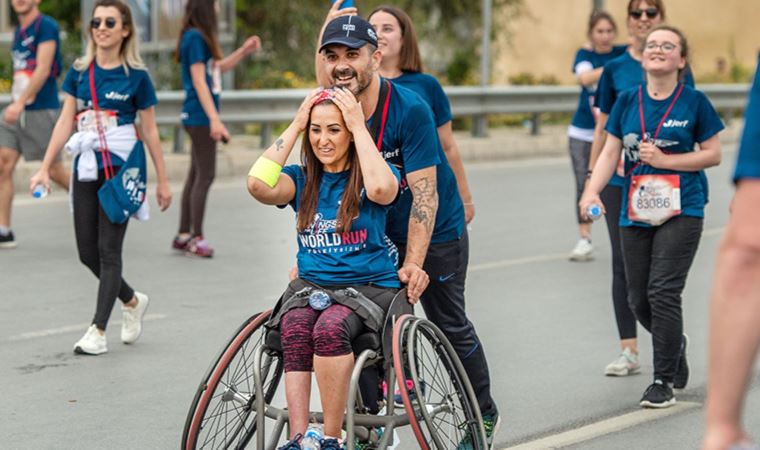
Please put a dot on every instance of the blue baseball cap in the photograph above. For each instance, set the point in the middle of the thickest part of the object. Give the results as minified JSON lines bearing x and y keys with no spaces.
{"x":351,"y":31}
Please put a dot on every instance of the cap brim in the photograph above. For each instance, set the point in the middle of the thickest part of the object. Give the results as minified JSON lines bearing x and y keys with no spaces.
{"x":347,"y":41}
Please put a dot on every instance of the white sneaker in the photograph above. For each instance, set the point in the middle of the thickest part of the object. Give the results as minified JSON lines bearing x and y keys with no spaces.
{"x":625,"y":364}
{"x":582,"y":251}
{"x":92,"y":343}
{"x":131,"y":322}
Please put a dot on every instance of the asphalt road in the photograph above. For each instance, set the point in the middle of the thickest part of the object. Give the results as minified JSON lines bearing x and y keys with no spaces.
{"x":546,"y":323}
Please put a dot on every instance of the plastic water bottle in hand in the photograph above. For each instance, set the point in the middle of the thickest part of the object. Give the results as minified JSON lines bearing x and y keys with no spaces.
{"x":39,"y":191}
{"x":594,"y":211}
{"x":312,"y":437}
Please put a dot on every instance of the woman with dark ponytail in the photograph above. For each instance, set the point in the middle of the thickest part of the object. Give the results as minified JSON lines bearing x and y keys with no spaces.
{"x":202,"y":61}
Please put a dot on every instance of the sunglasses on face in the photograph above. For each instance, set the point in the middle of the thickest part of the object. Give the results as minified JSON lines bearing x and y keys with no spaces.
{"x":95,"y":23}
{"x":638,"y":13}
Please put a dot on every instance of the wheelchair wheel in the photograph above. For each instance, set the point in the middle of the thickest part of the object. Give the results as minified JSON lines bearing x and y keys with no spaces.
{"x":223,"y":412}
{"x":434,"y":388}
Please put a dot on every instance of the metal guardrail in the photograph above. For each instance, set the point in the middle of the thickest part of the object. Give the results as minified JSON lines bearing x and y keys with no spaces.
{"x":273,"y":106}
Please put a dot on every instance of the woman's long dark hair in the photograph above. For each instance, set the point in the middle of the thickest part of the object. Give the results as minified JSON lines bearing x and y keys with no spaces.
{"x":410,"y":58}
{"x":313,"y":167}
{"x":201,"y":14}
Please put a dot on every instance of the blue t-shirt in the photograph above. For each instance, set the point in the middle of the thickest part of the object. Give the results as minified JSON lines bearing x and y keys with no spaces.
{"x":410,"y":143}
{"x":118,"y":91}
{"x":583,"y":118}
{"x":192,"y":50}
{"x":24,"y":53}
{"x":356,"y":257}
{"x":692,"y":120}
{"x":619,"y":75}
{"x":748,"y":163}
{"x":427,"y":87}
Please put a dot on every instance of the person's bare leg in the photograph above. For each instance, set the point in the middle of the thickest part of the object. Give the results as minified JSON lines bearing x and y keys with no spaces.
{"x":8,"y":160}
{"x":631,"y":344}
{"x":297,"y":395}
{"x":333,"y":376}
{"x":60,"y":175}
{"x":734,"y":321}
{"x":584,"y":229}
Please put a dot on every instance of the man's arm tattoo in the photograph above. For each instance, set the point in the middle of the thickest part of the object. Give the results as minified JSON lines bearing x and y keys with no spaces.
{"x":424,"y":203}
{"x":278,"y":144}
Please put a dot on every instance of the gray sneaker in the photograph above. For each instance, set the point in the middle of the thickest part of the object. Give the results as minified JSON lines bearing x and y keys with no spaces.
{"x":625,"y":364}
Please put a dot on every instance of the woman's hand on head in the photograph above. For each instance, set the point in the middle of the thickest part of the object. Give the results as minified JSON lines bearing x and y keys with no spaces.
{"x":351,"y":109}
{"x":304,"y":111}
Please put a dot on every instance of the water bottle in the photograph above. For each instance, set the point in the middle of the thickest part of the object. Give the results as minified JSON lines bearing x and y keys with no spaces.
{"x":39,"y":191}
{"x":312,"y":437}
{"x":594,"y":211}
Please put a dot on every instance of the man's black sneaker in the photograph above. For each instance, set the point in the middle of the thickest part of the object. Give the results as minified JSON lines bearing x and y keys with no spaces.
{"x":682,"y":369}
{"x":658,"y":395}
{"x":7,"y":241}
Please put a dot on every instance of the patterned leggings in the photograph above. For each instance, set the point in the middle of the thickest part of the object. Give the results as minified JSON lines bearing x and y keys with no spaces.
{"x":306,"y":332}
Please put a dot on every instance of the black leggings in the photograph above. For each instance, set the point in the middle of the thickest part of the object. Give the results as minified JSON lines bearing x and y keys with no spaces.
{"x":612,"y":197}
{"x":99,"y":243}
{"x":199,"y":179}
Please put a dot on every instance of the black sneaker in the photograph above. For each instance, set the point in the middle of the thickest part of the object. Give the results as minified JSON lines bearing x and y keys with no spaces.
{"x":682,"y":369}
{"x":7,"y":241}
{"x":658,"y":395}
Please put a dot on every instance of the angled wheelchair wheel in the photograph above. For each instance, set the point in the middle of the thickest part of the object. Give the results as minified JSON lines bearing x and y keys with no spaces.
{"x":435,"y":389}
{"x":223,"y":412}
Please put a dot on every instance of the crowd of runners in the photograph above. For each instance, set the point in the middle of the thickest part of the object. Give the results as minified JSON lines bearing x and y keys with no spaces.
{"x":381,"y":196}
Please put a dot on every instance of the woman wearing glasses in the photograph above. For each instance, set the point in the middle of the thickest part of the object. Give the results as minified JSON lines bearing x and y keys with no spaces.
{"x":620,"y":74}
{"x":587,"y":68}
{"x":105,"y":137}
{"x":656,"y":126}
{"x":202,"y":62}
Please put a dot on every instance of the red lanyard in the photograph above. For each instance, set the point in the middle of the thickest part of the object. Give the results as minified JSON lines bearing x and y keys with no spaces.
{"x":664,"y":116}
{"x":22,"y":31}
{"x":107,"y":165}
{"x":662,"y":121}
{"x":385,"y":117}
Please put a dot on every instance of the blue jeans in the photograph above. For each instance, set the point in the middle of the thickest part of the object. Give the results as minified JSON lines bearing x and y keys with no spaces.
{"x":657,"y":262}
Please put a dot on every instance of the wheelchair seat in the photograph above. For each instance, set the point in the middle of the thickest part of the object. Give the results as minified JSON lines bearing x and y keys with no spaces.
{"x":369,"y":340}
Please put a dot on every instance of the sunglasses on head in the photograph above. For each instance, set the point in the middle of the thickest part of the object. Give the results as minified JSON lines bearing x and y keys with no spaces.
{"x":95,"y":23}
{"x":650,"y":12}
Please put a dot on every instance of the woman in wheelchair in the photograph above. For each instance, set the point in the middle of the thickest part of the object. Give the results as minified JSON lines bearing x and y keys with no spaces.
{"x":346,"y":276}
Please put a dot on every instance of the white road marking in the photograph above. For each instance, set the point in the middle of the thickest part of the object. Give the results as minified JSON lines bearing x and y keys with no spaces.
{"x":503,"y":263}
{"x":604,"y":427}
{"x":69,"y":329}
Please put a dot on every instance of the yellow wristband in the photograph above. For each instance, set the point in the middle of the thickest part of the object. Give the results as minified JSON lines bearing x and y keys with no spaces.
{"x":266,"y":170}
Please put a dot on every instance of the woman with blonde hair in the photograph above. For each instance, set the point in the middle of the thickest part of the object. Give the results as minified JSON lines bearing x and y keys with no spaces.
{"x":106,"y":89}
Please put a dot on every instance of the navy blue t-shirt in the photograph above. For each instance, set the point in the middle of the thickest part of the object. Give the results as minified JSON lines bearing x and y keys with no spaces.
{"x":748,"y":163}
{"x":583,"y":118}
{"x":619,"y":75}
{"x":356,"y":257}
{"x":24,"y":53}
{"x":427,"y":87}
{"x":118,"y":91}
{"x":193,"y":49}
{"x":692,"y":120}
{"x":410,"y":143}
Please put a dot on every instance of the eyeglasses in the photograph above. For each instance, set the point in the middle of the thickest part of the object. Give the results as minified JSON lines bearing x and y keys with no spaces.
{"x":95,"y":23}
{"x":638,"y":13}
{"x":665,"y":47}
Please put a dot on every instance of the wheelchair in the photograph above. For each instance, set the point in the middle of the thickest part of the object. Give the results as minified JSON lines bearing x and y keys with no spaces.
{"x":232,"y":405}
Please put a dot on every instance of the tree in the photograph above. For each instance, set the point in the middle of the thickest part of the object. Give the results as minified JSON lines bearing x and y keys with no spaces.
{"x":448,"y":31}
